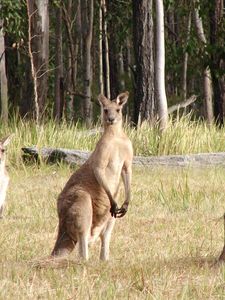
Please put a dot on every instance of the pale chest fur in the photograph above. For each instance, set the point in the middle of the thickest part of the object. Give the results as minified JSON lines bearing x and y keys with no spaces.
{"x":119,"y":151}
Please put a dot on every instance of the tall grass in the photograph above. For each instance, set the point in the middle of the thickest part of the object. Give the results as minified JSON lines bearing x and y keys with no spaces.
{"x":183,"y":136}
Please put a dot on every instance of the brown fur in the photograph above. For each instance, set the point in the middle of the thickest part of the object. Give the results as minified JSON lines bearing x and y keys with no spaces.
{"x":87,"y":205}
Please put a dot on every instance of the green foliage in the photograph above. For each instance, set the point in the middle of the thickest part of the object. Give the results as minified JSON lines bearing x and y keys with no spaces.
{"x":14,"y":15}
{"x":120,"y":19}
{"x":120,"y":15}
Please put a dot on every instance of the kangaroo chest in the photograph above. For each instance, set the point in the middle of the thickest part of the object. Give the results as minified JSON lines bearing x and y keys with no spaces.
{"x":114,"y":167}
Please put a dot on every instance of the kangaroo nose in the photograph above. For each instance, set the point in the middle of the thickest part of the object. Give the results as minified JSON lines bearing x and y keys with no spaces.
{"x":111,"y":119}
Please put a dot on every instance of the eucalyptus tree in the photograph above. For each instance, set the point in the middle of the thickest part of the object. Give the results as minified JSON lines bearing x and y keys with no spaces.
{"x":207,"y":79}
{"x":217,"y":57}
{"x":59,"y":77}
{"x":73,"y":42}
{"x":87,"y":15}
{"x":160,"y":66}
{"x":38,"y":17}
{"x":144,"y":100}
{"x":3,"y":77}
{"x":105,"y":44}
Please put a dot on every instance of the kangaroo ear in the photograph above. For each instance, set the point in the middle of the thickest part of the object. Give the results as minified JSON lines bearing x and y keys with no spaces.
{"x":103,"y":100}
{"x":5,"y":141}
{"x":121,"y":99}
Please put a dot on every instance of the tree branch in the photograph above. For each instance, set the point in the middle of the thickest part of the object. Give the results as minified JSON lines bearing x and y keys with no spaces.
{"x":182,"y":104}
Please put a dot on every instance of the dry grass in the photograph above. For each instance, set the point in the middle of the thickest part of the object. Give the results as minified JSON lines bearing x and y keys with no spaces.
{"x":164,"y":248}
{"x":183,"y":136}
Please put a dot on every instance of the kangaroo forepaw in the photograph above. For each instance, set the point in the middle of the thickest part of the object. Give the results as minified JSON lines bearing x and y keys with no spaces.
{"x":121,"y":211}
{"x":114,"y":209}
{"x":118,"y":212}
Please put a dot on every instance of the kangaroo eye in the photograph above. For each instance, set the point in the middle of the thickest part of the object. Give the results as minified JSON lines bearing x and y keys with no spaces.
{"x":105,"y":111}
{"x":118,"y":110}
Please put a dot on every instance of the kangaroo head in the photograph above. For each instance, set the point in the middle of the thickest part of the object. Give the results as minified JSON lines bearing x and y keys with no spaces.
{"x":112,"y":110}
{"x":3,"y":143}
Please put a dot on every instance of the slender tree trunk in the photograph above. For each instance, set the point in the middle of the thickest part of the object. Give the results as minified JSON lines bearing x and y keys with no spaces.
{"x":69,"y":103}
{"x":172,"y":36}
{"x":31,"y":11}
{"x":87,"y":14}
{"x":127,"y":60}
{"x":222,"y":79}
{"x":112,"y":27}
{"x":59,"y":89}
{"x":106,"y":52}
{"x":144,"y":103}
{"x":101,"y":81}
{"x":185,"y":64}
{"x":77,"y":38}
{"x":121,"y":69}
{"x":208,"y":101}
{"x":72,"y":13}
{"x":39,"y":50}
{"x":70,"y":82}
{"x":3,"y":78}
{"x":207,"y":80}
{"x":160,"y":66}
{"x":216,"y":16}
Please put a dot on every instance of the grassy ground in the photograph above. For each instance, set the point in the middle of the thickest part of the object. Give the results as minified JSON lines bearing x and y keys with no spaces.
{"x":164,"y":248}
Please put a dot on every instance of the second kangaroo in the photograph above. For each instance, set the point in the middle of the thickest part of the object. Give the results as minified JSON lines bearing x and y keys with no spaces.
{"x":87,"y":205}
{"x":4,"y":177}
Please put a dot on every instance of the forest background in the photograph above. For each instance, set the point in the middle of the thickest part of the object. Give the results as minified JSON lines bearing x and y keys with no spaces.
{"x":57,"y":56}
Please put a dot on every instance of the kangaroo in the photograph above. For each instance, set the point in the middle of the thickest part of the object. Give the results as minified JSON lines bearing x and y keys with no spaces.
{"x":87,"y":205}
{"x":4,"y":177}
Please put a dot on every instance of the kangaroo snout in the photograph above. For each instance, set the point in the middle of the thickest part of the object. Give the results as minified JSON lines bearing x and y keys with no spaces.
{"x":110,"y":120}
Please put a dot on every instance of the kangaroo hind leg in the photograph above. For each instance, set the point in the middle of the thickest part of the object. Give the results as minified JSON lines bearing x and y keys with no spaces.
{"x":105,"y":239}
{"x":81,"y":220}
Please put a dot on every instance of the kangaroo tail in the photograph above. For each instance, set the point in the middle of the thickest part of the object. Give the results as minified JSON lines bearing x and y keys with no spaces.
{"x":64,"y":243}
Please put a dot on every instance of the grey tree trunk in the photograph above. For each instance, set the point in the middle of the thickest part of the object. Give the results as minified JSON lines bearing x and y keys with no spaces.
{"x":185,"y":64}
{"x":121,"y":69}
{"x":173,"y":37}
{"x":3,"y":78}
{"x":160,"y":67}
{"x":106,"y":58}
{"x":144,"y":103}
{"x":114,"y":48}
{"x":207,"y":79}
{"x":87,"y":14}
{"x":216,"y":15}
{"x":101,"y":81}
{"x":69,"y":111}
{"x":71,"y":13}
{"x":59,"y":88}
{"x":127,"y":65}
{"x":39,"y":50}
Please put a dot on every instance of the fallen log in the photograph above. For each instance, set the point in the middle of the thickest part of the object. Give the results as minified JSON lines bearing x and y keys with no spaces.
{"x":78,"y":157}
